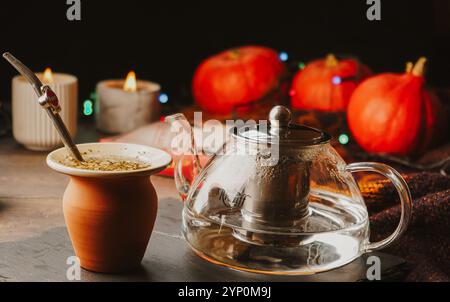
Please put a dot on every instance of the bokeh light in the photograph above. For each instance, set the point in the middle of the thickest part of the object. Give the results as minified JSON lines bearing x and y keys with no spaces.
{"x":163,"y":98}
{"x":284,"y":56}
{"x":336,"y":80}
{"x":344,"y":139}
{"x":88,"y":107}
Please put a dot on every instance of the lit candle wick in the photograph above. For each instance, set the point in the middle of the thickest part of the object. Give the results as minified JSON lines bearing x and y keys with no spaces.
{"x":48,"y":76}
{"x":130,"y":84}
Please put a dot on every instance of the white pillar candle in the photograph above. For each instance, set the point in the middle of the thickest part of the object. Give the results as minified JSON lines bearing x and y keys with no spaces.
{"x":120,"y":109}
{"x":32,"y":127}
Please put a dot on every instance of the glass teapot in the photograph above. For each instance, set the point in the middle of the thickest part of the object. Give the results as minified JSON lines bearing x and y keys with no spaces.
{"x":278,"y":199}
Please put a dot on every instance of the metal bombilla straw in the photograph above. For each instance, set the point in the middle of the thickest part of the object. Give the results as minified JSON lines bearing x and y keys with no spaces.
{"x":49,"y":102}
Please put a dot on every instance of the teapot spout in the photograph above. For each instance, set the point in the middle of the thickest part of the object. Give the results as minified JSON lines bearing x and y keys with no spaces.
{"x":180,"y":124}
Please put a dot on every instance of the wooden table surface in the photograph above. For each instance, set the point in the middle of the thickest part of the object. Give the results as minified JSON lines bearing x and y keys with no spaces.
{"x":34,"y":244}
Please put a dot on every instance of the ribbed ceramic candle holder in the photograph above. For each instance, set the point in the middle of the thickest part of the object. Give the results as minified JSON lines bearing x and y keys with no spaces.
{"x":31,"y":125}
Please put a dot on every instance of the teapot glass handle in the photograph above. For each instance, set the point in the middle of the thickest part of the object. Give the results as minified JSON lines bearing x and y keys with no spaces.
{"x":181,"y":183}
{"x":403,"y":191}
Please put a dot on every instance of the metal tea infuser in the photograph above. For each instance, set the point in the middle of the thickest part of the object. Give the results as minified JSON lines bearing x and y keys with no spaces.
{"x":49,"y":102}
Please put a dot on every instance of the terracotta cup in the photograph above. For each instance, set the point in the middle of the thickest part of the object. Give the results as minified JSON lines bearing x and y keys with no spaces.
{"x":109,"y":214}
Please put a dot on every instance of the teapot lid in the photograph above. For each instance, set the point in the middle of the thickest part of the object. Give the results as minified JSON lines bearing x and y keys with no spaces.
{"x":282,"y":131}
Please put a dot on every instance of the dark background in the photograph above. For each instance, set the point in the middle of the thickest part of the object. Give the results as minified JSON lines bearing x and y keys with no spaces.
{"x":164,"y":41}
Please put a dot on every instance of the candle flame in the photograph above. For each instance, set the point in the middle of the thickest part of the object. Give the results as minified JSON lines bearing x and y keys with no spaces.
{"x":130,"y":84}
{"x":48,"y":75}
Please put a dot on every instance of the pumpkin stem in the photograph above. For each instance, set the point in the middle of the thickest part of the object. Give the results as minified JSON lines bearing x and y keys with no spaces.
{"x":331,"y":61}
{"x":419,"y":68}
{"x":233,"y":54}
{"x":409,"y":67}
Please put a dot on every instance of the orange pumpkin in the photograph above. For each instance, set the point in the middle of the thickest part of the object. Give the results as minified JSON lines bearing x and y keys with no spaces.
{"x":395,"y":113}
{"x":326,"y":85}
{"x":236,"y":77}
